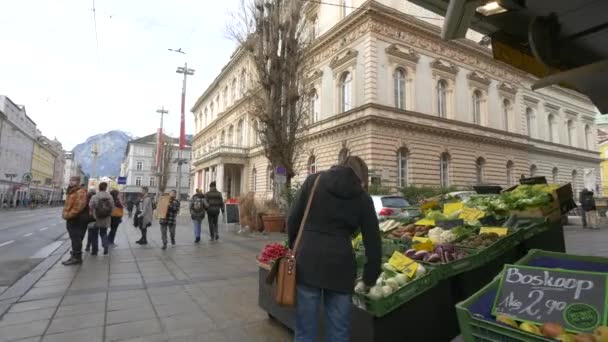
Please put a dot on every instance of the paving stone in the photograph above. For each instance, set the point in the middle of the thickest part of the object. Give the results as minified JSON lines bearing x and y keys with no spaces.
{"x":26,"y":316}
{"x":198,"y":321}
{"x":64,"y":324}
{"x":122,"y":331}
{"x":35,"y":305}
{"x":88,"y":335}
{"x":20,"y":331}
{"x":84,"y":298}
{"x":166,"y":310}
{"x":80,"y":309}
{"x":129,"y":303}
{"x":132,"y":315}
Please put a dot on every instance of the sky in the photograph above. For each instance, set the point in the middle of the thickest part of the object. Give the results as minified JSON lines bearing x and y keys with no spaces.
{"x":75,"y":85}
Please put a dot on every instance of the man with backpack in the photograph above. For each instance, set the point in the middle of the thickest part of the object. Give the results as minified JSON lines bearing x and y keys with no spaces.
{"x":73,"y":212}
{"x":101,"y":206}
{"x":198,"y":206}
{"x":216,"y":204}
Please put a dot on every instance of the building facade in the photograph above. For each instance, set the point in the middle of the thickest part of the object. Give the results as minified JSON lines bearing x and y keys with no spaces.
{"x":43,"y":186}
{"x":139,"y":167}
{"x":17,"y":137}
{"x":382,"y":85}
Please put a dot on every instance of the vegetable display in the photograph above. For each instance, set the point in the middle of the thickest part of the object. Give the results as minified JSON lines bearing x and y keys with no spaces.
{"x":272,"y":252}
{"x":555,"y":331}
{"x":389,"y":281}
{"x":441,"y":254}
{"x":408,"y":232}
{"x":480,"y":241}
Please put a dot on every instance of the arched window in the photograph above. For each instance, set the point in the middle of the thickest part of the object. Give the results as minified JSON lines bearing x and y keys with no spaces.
{"x":240,"y":133}
{"x":206,"y":120}
{"x":230,"y":137}
{"x":506,"y":107}
{"x":233,"y":93}
{"x":399,"y":87}
{"x":573,"y":183}
{"x":269,"y":178}
{"x":533,"y":170}
{"x":346,"y":91}
{"x":476,"y":107}
{"x":346,"y":7}
{"x":442,"y":88}
{"x":223,"y":138}
{"x":510,"y":168}
{"x":255,"y":133}
{"x":312,"y":165}
{"x":211,"y":109}
{"x":254,"y":180}
{"x":551,"y":123}
{"x":342,"y":155}
{"x":243,"y":84}
{"x":554,"y":174}
{"x":314,"y":106}
{"x":218,"y":103}
{"x":529,"y":116}
{"x":571,"y":132}
{"x":587,"y":137}
{"x":402,"y":167}
{"x":226,"y":103}
{"x":480,"y":164}
{"x":444,"y":170}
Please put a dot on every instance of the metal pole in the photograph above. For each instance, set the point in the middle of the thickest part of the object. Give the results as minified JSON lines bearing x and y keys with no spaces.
{"x":180,"y":161}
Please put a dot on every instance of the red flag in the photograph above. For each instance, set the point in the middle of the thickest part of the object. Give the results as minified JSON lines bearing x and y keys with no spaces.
{"x":182,"y":127}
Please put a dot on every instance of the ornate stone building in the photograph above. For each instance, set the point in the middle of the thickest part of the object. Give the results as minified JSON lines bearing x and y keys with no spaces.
{"x":418,"y":110}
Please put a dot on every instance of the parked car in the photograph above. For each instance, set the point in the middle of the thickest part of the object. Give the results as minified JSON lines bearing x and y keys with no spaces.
{"x":393,"y":206}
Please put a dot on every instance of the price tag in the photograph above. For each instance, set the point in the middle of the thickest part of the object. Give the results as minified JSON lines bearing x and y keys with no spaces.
{"x":425,"y":222}
{"x":450,"y":208}
{"x":501,"y":231}
{"x":429,"y":205}
{"x":471,"y":214}
{"x":423,"y":244}
{"x":403,"y":264}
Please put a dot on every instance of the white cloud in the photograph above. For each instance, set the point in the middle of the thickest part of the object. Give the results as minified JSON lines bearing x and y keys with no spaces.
{"x":51,"y":64}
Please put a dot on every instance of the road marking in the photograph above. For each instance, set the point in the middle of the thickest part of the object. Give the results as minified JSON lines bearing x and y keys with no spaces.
{"x":6,"y":243}
{"x":28,"y":234}
{"x":45,"y":228}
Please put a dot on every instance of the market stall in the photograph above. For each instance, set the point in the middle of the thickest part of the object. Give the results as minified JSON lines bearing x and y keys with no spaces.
{"x":435,"y":261}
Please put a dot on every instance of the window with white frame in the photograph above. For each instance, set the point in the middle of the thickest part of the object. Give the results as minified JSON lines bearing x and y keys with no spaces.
{"x":223,"y":138}
{"x":588,"y":137}
{"x":506,"y":108}
{"x":480,"y":164}
{"x":138,"y":181}
{"x":211,"y":110}
{"x":554,"y":175}
{"x":552,"y":127}
{"x":233,"y":94}
{"x":240,"y":133}
{"x":230,"y":136}
{"x":226,"y":103}
{"x":399,"y":87}
{"x":529,"y":121}
{"x":571,"y":132}
{"x":243,"y":84}
{"x":402,"y":167}
{"x":139,"y":166}
{"x":510,"y":171}
{"x":254,"y":179}
{"x":346,"y":91}
{"x":152,"y":182}
{"x":476,"y":105}
{"x":217,"y":101}
{"x":255,"y":132}
{"x":444,"y":170}
{"x":314,"y":106}
{"x":312,"y":165}
{"x":442,"y":88}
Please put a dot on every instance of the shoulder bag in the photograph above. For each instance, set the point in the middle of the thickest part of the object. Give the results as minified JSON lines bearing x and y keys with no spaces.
{"x":284,"y":269}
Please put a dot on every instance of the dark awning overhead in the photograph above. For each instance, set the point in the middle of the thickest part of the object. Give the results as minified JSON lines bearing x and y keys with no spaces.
{"x":562,"y":42}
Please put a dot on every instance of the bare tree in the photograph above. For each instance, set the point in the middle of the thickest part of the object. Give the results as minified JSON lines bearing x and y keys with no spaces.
{"x":165,"y":165}
{"x":272,"y":33}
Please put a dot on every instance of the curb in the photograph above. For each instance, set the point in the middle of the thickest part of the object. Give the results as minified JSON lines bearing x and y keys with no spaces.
{"x":25,"y":283}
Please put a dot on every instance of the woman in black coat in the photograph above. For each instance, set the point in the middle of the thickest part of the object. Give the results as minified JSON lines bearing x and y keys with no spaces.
{"x":325,"y":260}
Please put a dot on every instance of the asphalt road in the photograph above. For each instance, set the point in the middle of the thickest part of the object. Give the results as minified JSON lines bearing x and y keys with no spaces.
{"x":26,"y":237}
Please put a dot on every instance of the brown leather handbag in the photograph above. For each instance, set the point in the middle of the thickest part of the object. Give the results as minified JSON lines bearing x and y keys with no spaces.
{"x":284,"y":268}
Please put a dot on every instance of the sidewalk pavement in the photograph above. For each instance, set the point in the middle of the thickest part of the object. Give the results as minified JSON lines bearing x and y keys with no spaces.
{"x":205,"y":292}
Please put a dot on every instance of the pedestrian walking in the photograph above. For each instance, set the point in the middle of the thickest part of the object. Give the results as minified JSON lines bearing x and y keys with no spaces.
{"x":143,"y":217}
{"x":198,"y":206}
{"x":168,"y":223}
{"x":216,"y":204}
{"x":73,"y":212}
{"x":130,"y":207}
{"x":116,"y":219}
{"x":589,"y":213}
{"x":101,"y":206}
{"x":325,"y":264}
{"x":90,"y":220}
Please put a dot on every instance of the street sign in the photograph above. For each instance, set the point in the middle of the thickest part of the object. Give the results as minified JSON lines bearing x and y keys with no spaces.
{"x":122,"y":180}
{"x":27,"y":178}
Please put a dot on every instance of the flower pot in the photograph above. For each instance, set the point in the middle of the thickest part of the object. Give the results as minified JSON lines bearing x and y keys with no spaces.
{"x":273,"y":223}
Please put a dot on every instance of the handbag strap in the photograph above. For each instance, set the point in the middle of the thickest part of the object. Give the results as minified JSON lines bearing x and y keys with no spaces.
{"x":303,"y":222}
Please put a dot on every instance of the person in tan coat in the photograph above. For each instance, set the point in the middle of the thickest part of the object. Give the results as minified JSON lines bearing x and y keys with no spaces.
{"x":74,"y":212}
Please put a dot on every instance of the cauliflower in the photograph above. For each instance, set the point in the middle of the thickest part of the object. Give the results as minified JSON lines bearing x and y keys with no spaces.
{"x":447,"y":236}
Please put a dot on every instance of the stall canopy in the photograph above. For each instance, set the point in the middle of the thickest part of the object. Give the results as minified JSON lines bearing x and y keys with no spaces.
{"x":563,"y":42}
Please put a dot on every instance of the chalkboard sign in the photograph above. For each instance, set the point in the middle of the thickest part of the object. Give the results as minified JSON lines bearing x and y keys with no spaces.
{"x":576,"y":300}
{"x":232,"y":213}
{"x":533,"y":180}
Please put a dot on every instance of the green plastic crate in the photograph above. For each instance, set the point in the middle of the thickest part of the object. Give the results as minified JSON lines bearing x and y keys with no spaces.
{"x":447,"y":270}
{"x":412,"y":289}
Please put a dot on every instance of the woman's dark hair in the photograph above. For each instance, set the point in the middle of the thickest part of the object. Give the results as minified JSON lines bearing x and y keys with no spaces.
{"x":359,"y":167}
{"x":103,"y":186}
{"x":114,"y":193}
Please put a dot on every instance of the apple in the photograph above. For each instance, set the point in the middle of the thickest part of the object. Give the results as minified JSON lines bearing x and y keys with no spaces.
{"x":552,"y":330}
{"x":601,"y":334}
{"x":584,"y":338}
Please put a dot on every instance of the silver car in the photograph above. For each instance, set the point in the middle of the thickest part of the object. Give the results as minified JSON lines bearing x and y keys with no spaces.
{"x":393,"y":206}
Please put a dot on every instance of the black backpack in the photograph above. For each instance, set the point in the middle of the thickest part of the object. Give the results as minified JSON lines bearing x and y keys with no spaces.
{"x":103,"y":209}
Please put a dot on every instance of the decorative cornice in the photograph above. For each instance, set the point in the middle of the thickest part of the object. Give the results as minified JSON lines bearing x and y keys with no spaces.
{"x":507,"y":88}
{"x":479,"y":77}
{"x":343,"y":57}
{"x":408,"y":54}
{"x":314,"y":76}
{"x":445,"y":66}
{"x":531,"y":101}
{"x":551,"y":107}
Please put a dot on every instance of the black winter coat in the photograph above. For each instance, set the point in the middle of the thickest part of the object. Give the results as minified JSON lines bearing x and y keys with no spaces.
{"x":216,"y":202}
{"x":340,"y":207}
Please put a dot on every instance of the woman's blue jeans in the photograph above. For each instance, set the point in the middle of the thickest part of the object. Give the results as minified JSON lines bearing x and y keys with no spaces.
{"x":337,"y":308}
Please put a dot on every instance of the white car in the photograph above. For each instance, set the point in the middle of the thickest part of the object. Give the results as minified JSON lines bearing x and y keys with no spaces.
{"x":393,"y":206}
